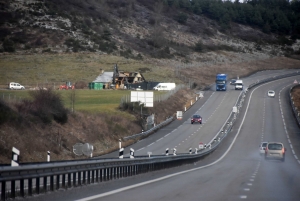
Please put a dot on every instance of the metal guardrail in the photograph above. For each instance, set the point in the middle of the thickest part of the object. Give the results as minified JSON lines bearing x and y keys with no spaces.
{"x":295,"y":109}
{"x":29,"y":179}
{"x":169,"y":120}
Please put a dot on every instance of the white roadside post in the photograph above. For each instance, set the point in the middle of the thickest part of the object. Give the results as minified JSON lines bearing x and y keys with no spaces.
{"x":131,"y":153}
{"x":174,"y":151}
{"x":167,"y":151}
{"x":121,"y":153}
{"x":120,"y":144}
{"x":48,"y":156}
{"x":15,"y":157}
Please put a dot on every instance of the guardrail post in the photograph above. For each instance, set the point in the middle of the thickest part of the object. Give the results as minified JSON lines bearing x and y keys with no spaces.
{"x":101,"y":175}
{"x":45,"y":184}
{"x":196,"y":150}
{"x":57,"y":181}
{"x":104,"y":174}
{"x":97,"y":175}
{"x":64,"y":180}
{"x":93,"y":176}
{"x":84,"y":176}
{"x":3,"y":190}
{"x":37,"y":185}
{"x":52,"y":183}
{"x":13,"y":189}
{"x":22,"y":187}
{"x":74,"y":179}
{"x":89,"y":177}
{"x":79,"y":178}
{"x":69,"y":180}
{"x":30,"y":186}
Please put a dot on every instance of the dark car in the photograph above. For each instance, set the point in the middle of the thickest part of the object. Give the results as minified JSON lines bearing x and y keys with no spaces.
{"x":232,"y":82}
{"x":196,"y":118}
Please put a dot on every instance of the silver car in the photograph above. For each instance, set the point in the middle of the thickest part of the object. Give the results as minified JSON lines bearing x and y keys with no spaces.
{"x":262,"y":147}
{"x":271,"y":93}
{"x":275,"y":150}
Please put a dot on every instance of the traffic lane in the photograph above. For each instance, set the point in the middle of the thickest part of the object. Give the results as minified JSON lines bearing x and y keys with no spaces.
{"x":214,"y":123}
{"x":189,"y":135}
{"x":165,"y":130}
{"x":274,"y":176}
{"x":177,"y":135}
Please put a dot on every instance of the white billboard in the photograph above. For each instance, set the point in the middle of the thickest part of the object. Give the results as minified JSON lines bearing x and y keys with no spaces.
{"x":145,"y":97}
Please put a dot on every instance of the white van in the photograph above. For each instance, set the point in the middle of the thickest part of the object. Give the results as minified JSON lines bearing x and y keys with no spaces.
{"x":14,"y":85}
{"x":239,"y":85}
{"x":164,"y":86}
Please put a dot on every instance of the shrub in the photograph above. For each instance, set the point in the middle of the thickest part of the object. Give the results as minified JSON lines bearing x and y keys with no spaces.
{"x":45,"y":105}
{"x":181,"y":18}
{"x":6,"y":113}
{"x":199,"y":47}
{"x":9,"y":45}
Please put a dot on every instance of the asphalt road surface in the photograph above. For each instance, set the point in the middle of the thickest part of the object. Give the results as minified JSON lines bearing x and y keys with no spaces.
{"x":235,"y":171}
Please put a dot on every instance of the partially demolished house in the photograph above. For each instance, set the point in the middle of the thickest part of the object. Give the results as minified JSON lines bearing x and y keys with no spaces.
{"x":116,"y":79}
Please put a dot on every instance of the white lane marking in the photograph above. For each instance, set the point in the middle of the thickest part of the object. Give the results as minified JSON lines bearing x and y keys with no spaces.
{"x":150,"y":144}
{"x":243,"y":196}
{"x":159,"y":139}
{"x":140,"y":149}
{"x":246,"y":189}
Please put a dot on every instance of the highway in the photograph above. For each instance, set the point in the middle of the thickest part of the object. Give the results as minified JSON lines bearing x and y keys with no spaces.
{"x":235,"y":171}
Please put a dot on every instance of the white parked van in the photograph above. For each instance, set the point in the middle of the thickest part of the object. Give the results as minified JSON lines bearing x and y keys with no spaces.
{"x":239,"y":85}
{"x":164,"y":86}
{"x":14,"y":85}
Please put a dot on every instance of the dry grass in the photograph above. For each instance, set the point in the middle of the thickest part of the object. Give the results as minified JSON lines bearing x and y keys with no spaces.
{"x":56,"y":69}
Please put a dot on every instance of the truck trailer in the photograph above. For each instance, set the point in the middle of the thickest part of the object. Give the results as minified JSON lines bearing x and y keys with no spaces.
{"x":221,"y":81}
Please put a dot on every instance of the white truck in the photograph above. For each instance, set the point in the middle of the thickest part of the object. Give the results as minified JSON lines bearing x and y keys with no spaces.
{"x":238,"y":85}
{"x":164,"y":86}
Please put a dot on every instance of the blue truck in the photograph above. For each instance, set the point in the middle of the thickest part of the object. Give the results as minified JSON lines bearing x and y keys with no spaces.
{"x":221,"y":81}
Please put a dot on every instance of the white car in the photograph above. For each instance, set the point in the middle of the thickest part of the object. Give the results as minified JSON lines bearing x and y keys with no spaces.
{"x":14,"y":85}
{"x":271,"y":93}
{"x":262,"y":148}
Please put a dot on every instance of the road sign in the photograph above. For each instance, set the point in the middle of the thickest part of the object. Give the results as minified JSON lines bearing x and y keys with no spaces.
{"x":234,"y":109}
{"x":201,"y":145}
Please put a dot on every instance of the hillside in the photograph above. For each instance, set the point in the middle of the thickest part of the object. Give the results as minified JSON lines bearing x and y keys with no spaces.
{"x":58,"y":40}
